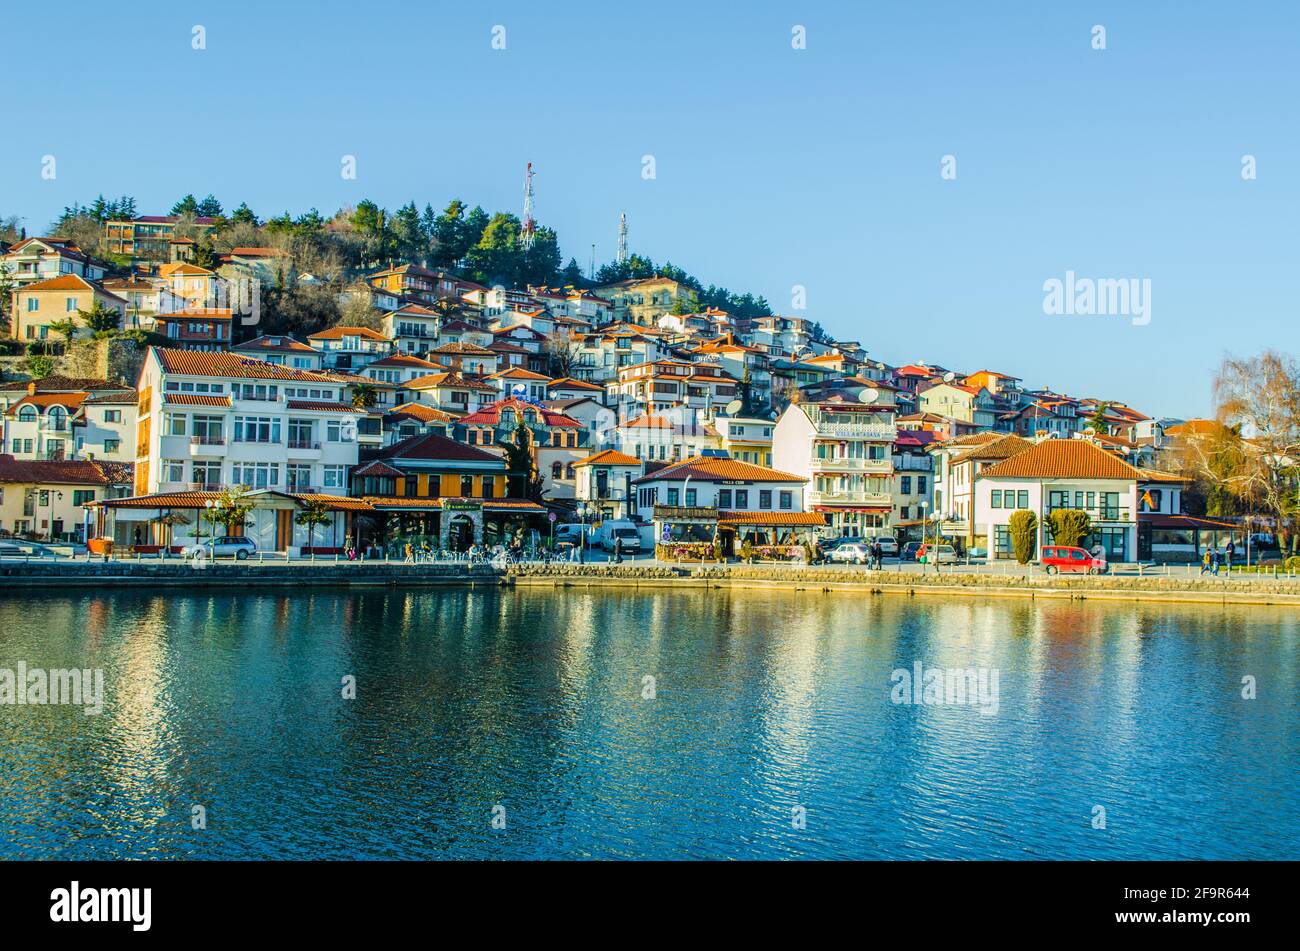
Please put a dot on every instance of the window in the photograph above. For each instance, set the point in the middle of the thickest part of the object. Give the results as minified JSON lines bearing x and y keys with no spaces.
{"x":920,"y":485}
{"x":257,"y":429}
{"x":174,"y":470}
{"x":1022,"y":499}
{"x":787,"y":499}
{"x":995,"y":499}
{"x":257,"y":475}
{"x":557,"y":469}
{"x":466,"y":486}
{"x":207,"y":474}
{"x":112,"y":415}
{"x":82,"y":496}
{"x":674,"y":496}
{"x":112,"y":445}
{"x":765,"y":498}
{"x":176,"y":425}
{"x":690,"y":496}
{"x":297,"y":477}
{"x":724,"y":498}
{"x":33,"y":305}
{"x":742,"y":499}
{"x":489,"y":487}
{"x":905,"y":485}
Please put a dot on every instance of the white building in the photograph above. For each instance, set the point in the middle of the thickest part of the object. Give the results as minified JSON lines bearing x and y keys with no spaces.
{"x":845,"y":451}
{"x":1061,"y":474}
{"x":209,"y":420}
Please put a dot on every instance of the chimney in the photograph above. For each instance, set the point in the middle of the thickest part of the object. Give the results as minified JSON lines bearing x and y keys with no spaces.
{"x":31,"y":388}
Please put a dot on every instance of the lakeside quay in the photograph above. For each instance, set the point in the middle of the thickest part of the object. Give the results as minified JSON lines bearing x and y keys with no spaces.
{"x":1241,"y":589}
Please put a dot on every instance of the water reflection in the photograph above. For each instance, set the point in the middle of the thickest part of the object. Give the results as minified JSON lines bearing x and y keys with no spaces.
{"x":763,"y":703}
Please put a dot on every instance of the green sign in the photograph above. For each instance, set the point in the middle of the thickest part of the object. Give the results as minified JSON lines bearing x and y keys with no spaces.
{"x":461,"y":505}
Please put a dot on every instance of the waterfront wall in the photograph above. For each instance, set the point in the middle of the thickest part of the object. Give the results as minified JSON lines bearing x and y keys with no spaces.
{"x":162,"y":574}
{"x":22,"y":576}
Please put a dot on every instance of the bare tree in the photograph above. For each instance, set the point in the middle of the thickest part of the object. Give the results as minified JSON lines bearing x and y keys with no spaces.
{"x":561,"y":349}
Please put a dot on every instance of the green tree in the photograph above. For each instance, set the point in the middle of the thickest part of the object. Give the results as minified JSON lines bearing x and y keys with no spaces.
{"x":7,"y":286}
{"x":1024,"y":535}
{"x":67,"y":329}
{"x":100,"y":318}
{"x":521,"y":472}
{"x":209,"y":207}
{"x":187,"y":206}
{"x":1097,"y":421}
{"x":230,"y":509}
{"x":244,"y":215}
{"x":314,"y":512}
{"x":1069,"y":527}
{"x":364,"y":395}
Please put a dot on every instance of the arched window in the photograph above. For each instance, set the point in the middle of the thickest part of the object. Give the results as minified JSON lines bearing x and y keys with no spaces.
{"x":570,"y":471}
{"x":557,"y":470}
{"x":27,"y":414}
{"x":57,"y":416}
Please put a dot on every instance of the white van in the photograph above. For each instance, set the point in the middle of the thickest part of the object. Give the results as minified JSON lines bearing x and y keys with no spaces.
{"x":625,"y":530}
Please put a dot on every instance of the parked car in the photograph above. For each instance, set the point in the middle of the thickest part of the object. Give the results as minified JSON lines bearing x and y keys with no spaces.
{"x":888,"y":545}
{"x":857,"y":553}
{"x":236,"y":546}
{"x":1058,"y":559}
{"x":977,"y":551}
{"x":908,"y":552}
{"x":941,"y":554}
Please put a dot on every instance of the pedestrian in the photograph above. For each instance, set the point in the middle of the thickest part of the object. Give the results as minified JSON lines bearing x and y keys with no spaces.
{"x":1228,"y":552}
{"x":1205,"y":562}
{"x":1214,"y":561}
{"x":618,"y":550}
{"x":877,"y":553}
{"x":410,"y":553}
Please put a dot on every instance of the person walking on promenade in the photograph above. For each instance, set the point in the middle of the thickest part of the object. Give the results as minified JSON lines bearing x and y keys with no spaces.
{"x":1228,"y":552}
{"x":876,"y":554}
{"x":1214,"y":561}
{"x":618,"y":550}
{"x":1205,"y":562}
{"x":410,"y":553}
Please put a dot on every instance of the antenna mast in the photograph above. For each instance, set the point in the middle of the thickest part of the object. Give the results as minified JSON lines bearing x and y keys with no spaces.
{"x":622,"y":237}
{"x":528,"y":229}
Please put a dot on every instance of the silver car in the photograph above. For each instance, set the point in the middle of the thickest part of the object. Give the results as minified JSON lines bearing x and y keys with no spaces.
{"x":236,"y":546}
{"x":856,"y":553}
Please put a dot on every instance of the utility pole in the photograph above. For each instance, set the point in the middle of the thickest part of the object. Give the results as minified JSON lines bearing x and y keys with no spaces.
{"x":622,"y":237}
{"x":528,"y":230}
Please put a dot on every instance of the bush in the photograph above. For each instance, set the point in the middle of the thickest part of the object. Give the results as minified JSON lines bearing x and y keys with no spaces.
{"x":1024,"y":535}
{"x":1069,"y":527}
{"x":747,"y":551}
{"x":40,"y":366}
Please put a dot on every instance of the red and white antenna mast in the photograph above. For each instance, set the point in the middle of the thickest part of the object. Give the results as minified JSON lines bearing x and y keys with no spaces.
{"x":528,"y":230}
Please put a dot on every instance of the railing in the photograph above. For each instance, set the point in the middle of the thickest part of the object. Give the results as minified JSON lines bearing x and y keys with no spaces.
{"x":858,"y":430}
{"x":882,"y":466}
{"x":207,"y":440}
{"x":1098,"y":513}
{"x":205,"y":486}
{"x":303,"y":444}
{"x":854,"y":498}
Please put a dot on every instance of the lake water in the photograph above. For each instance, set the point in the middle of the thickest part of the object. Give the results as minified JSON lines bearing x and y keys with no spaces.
{"x":769,"y":730}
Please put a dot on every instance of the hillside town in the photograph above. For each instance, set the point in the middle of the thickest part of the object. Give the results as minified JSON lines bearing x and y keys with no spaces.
{"x":444,"y":413}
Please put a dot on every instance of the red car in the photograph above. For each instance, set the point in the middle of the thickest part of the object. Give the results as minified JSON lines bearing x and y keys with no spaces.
{"x":1056,"y":558}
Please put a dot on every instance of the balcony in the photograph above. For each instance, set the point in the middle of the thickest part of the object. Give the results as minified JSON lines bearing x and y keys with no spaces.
{"x":880,"y":499}
{"x":303,"y":449}
{"x":1098,"y":513}
{"x":879,"y":432}
{"x":208,"y":446}
{"x":875,"y":466}
{"x":204,"y":486}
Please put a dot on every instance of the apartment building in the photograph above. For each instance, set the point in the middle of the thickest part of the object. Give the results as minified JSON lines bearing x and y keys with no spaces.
{"x":208,"y":420}
{"x":38,"y":306}
{"x":845,"y":451}
{"x":41,"y":259}
{"x":149,"y":236}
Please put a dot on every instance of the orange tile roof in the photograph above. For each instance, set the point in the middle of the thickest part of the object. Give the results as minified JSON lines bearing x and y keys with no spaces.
{"x":990,"y":449}
{"x":569,"y":383}
{"x":224,"y":363}
{"x":449,"y":378}
{"x":206,"y":313}
{"x":45,"y":400}
{"x":609,"y":457}
{"x":338,"y":333}
{"x":421,"y":412}
{"x":491,"y":415}
{"x":403,"y":360}
{"x":774,"y":519}
{"x":195,"y":399}
{"x":325,"y":406}
{"x":720,"y":469}
{"x":1063,"y":459}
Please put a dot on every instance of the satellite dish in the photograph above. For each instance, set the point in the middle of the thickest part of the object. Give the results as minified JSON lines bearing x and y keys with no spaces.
{"x":734,"y":407}
{"x":869,"y":395}
{"x":519,"y":390}
{"x":949,"y":377}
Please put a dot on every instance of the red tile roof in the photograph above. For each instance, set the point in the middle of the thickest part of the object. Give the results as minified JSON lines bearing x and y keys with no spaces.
{"x":338,"y":333}
{"x":491,"y":415}
{"x":69,"y":401}
{"x":62,"y":472}
{"x":430,"y":447}
{"x":328,"y":406}
{"x":195,"y":399}
{"x":793,"y":519}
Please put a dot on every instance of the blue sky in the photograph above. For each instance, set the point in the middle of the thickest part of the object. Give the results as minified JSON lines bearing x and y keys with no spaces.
{"x":775,"y":167}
